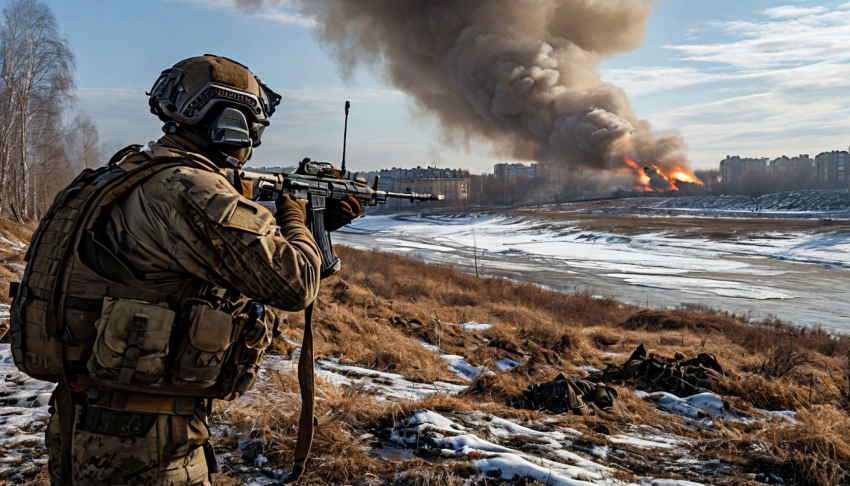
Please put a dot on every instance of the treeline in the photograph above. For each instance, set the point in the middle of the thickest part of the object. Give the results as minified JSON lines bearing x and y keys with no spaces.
{"x":44,"y":138}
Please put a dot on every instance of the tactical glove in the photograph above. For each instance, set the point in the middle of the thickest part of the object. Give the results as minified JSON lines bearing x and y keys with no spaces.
{"x":290,"y":209}
{"x":341,"y":212}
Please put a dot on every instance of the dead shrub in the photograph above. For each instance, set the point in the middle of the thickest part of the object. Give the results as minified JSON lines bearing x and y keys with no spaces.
{"x":654,"y":320}
{"x":338,"y":457}
{"x":542,"y":356}
{"x":281,"y":347}
{"x":506,"y":344}
{"x":604,"y":338}
{"x":782,"y":361}
{"x":503,"y":388}
{"x":484,"y":356}
{"x":222,"y":480}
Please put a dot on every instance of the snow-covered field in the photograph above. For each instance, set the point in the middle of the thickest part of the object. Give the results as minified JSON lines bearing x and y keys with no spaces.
{"x":797,"y":276}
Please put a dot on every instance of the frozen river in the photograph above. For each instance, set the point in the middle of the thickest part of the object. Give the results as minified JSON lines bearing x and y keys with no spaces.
{"x":802,"y":277}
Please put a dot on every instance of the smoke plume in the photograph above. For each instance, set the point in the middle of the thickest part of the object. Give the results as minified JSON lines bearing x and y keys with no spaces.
{"x":521,"y":74}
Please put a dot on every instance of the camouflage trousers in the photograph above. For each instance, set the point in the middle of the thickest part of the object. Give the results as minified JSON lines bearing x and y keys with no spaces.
{"x":170,"y":454}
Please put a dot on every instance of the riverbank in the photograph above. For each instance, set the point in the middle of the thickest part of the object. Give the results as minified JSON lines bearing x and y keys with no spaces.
{"x":420,"y":381}
{"x":758,"y":268}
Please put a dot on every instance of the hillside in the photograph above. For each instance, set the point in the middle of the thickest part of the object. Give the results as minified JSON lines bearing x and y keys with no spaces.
{"x":421,"y":376}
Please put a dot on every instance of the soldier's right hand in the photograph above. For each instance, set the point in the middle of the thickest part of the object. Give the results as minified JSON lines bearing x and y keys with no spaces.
{"x":290,"y":209}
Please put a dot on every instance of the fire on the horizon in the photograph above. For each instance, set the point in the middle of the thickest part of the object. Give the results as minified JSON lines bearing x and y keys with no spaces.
{"x":652,"y":179}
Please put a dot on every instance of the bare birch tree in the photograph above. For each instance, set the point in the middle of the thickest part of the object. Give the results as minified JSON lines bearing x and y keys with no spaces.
{"x":84,"y":148}
{"x":39,"y":151}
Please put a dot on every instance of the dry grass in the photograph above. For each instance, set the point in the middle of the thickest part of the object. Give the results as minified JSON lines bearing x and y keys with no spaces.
{"x":559,"y":331}
{"x":379,"y":306}
{"x":816,"y":449}
{"x":339,"y":411}
{"x":11,"y":258}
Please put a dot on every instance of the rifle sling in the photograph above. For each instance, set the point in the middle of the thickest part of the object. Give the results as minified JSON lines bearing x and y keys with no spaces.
{"x":307,"y":383}
{"x":66,"y":416}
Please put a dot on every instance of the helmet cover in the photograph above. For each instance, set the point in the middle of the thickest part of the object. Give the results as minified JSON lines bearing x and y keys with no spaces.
{"x":190,"y":90}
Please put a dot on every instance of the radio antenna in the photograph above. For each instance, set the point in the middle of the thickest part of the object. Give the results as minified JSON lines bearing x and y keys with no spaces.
{"x":345,"y":136}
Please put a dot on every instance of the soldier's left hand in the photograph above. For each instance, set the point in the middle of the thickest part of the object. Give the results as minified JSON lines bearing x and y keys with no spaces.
{"x":341,"y":212}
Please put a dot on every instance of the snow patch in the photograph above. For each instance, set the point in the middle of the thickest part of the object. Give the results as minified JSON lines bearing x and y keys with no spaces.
{"x":700,"y":407}
{"x":669,"y":482}
{"x":510,"y":466}
{"x":471,"y":326}
{"x":589,"y":369}
{"x":458,"y":364}
{"x":786,"y":414}
{"x":381,"y":384}
{"x":506,"y":364}
{"x":447,"y":438}
{"x":427,"y":419}
{"x":640,"y":443}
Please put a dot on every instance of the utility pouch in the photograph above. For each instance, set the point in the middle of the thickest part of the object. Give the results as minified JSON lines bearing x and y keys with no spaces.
{"x":203,"y":347}
{"x":243,"y":365}
{"x":132,"y":342}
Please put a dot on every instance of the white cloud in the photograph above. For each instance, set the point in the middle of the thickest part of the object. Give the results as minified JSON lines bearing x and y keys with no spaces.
{"x":790,"y":11}
{"x":270,"y":11}
{"x":646,"y":80}
{"x":816,"y":34}
{"x":777,"y":86}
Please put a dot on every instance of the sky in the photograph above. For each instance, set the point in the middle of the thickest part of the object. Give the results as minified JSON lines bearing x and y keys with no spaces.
{"x":756,"y":78}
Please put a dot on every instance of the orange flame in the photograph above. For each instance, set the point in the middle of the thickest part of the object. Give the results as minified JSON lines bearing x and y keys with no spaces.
{"x":685,"y":177}
{"x":642,"y":177}
{"x":679,"y":174}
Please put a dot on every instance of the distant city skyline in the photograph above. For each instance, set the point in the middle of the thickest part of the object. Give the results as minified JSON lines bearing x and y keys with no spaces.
{"x":754,"y":77}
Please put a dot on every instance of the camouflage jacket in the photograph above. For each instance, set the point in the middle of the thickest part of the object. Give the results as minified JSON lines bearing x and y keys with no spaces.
{"x":189,"y":222}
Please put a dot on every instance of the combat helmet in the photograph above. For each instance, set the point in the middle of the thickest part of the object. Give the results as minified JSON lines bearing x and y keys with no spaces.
{"x":215,"y":102}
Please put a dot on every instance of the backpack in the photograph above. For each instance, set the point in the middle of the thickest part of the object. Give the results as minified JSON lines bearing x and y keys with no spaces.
{"x":67,"y":320}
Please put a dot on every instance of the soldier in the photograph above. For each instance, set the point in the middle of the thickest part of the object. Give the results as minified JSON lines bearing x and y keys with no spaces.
{"x":148,"y":284}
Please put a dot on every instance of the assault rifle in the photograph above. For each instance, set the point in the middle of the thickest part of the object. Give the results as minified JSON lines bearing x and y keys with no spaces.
{"x":315,"y":182}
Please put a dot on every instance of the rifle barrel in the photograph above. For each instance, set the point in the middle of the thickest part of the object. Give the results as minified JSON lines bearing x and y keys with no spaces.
{"x":416,"y":197}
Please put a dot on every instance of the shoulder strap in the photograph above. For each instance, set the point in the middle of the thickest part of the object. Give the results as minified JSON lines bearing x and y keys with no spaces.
{"x":307,"y":383}
{"x":124,"y":152}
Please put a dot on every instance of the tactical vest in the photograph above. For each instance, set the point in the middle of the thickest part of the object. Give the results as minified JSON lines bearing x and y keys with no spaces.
{"x":69,"y":320}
